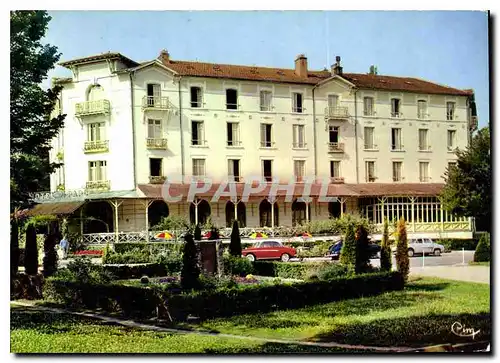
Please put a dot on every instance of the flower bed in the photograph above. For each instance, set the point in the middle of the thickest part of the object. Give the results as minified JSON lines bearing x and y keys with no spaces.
{"x":97,"y":253}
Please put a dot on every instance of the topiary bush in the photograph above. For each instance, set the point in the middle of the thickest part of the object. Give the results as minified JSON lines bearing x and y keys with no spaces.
{"x":197,"y":233}
{"x":362,"y":250}
{"x":385,"y":250}
{"x":239,"y":266}
{"x":190,"y":273}
{"x":402,"y":259}
{"x":332,"y":271}
{"x":483,"y":249}
{"x":348,"y":252}
{"x":50,"y":255}
{"x":235,"y":245}
{"x":14,"y":247}
{"x":31,"y":252}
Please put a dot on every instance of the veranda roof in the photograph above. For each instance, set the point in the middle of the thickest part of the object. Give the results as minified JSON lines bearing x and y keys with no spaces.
{"x":55,"y":208}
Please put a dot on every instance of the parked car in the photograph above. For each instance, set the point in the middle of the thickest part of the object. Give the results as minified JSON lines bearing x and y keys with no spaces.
{"x":421,"y":246}
{"x":334,"y":250}
{"x":269,"y":250}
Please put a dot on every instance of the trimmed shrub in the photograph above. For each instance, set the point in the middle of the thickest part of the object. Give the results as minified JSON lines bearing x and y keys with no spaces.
{"x":151,"y":270}
{"x":136,"y":255}
{"x":50,"y":255}
{"x":483,"y":252}
{"x":332,"y":271}
{"x":348,"y":252}
{"x":289,"y":270}
{"x":458,"y":244}
{"x":235,"y":245}
{"x":362,"y":251}
{"x":31,"y":252}
{"x":239,"y":266}
{"x":14,"y":247}
{"x":82,"y":270}
{"x":151,"y":248}
{"x":317,"y":249}
{"x":385,"y":250}
{"x":197,"y":233}
{"x":402,"y":259}
{"x":190,"y":273}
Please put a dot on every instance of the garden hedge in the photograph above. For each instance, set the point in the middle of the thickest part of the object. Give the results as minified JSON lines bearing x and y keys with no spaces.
{"x":165,"y":268}
{"x":458,"y":244}
{"x":288,"y":270}
{"x":142,"y":301}
{"x":153,"y":247}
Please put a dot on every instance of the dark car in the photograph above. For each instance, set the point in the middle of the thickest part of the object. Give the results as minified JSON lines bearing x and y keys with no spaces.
{"x":334,"y":250}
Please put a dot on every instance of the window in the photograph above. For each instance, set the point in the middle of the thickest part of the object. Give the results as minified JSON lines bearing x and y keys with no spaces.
{"x":395,"y":107}
{"x":97,"y":170}
{"x":424,"y":171}
{"x":265,"y":100}
{"x":266,"y":135}
{"x":451,"y":139}
{"x":196,"y":99}
{"x":396,"y":139}
{"x":369,"y":132}
{"x":397,"y":167}
{"x":297,"y":103}
{"x":155,"y":167}
{"x":95,"y":132}
{"x":299,"y":136}
{"x":154,"y":129}
{"x":333,"y":101}
{"x":335,"y":168}
{"x":233,"y":134}
{"x":233,"y":170}
{"x":368,"y":106}
{"x":299,"y":169}
{"x":231,"y":99}
{"x":450,"y":111}
{"x":197,"y":137}
{"x":421,"y":109}
{"x":154,"y":94}
{"x":333,"y":134}
{"x":267,"y":170}
{"x":423,"y":145}
{"x":370,"y":171}
{"x":198,"y":167}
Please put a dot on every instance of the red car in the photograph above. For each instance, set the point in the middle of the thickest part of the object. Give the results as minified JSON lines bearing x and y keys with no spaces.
{"x":269,"y":250}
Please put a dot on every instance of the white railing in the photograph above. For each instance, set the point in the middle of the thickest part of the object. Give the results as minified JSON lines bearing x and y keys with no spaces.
{"x":152,"y":143}
{"x":336,"y":179}
{"x":92,"y":107}
{"x":157,"y":179}
{"x":155,"y":102}
{"x":336,"y":147}
{"x":96,"y":146}
{"x":97,"y":185}
{"x":336,"y":112}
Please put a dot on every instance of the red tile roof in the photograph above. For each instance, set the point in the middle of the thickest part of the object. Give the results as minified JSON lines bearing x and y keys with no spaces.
{"x":154,"y":191}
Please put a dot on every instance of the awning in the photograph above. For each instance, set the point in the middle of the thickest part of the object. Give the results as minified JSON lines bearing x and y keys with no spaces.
{"x":55,"y":208}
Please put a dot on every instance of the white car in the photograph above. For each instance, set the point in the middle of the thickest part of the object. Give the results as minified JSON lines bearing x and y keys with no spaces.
{"x":423,"y":245}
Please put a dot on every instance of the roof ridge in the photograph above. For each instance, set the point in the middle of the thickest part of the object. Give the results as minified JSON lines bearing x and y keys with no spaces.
{"x":237,"y":65}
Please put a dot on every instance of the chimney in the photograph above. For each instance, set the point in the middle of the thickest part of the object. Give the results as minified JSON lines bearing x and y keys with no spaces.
{"x":301,"y":65}
{"x":164,"y":56}
{"x":336,"y":68}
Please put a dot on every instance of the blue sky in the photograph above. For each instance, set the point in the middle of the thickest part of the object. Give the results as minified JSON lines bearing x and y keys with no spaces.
{"x":447,"y":47}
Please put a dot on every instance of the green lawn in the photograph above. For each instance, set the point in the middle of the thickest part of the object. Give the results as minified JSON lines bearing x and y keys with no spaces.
{"x":420,"y":315}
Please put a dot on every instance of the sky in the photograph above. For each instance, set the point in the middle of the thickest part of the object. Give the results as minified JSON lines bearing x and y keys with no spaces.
{"x":446,"y":47}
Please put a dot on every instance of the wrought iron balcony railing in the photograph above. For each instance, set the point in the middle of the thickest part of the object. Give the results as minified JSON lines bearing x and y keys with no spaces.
{"x":335,"y":147}
{"x":153,"y":143}
{"x":336,"y":179}
{"x":92,"y":108}
{"x":336,"y":112}
{"x":97,"y":185}
{"x":155,"y":102}
{"x":157,"y":179}
{"x":100,"y":146}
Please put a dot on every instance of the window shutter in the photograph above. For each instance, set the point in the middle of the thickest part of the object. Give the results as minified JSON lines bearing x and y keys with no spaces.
{"x":295,"y":137}
{"x":263,"y":134}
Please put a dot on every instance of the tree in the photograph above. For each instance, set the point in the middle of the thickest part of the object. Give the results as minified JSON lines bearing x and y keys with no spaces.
{"x":468,"y":184}
{"x":348,"y":252}
{"x":385,"y":250}
{"x":402,"y":259}
{"x":32,"y":126}
{"x":50,"y":255}
{"x":362,"y":250}
{"x":235,"y":245}
{"x":483,"y":253}
{"x":14,"y":246}
{"x":190,"y":273}
{"x":31,"y":252}
{"x":197,"y":233}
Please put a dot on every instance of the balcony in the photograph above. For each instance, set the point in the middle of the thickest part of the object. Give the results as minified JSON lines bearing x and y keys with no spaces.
{"x":92,"y":108}
{"x":101,"y":185}
{"x":336,"y":113}
{"x":157,"y":179}
{"x":101,"y":146}
{"x":335,"y":147}
{"x":336,"y":179}
{"x":157,"y":144}
{"x":235,"y":179}
{"x":155,"y":103}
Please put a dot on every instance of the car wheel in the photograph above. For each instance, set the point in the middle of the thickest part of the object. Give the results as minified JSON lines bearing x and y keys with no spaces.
{"x":250,"y":257}
{"x":285,"y":257}
{"x":437,"y":252}
{"x":410,"y":252}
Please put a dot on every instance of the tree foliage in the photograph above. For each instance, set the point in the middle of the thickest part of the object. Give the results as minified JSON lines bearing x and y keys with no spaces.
{"x":32,"y":125}
{"x":348,"y":252}
{"x":385,"y":251}
{"x":31,"y":252}
{"x":14,"y":246}
{"x":190,"y":273}
{"x":402,"y":259}
{"x":50,"y":255}
{"x":362,"y":250}
{"x":235,"y":245}
{"x":197,"y":233}
{"x":468,"y":184}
